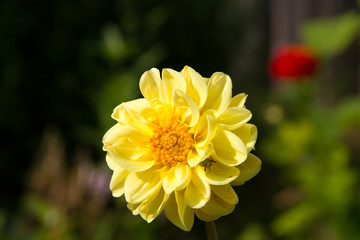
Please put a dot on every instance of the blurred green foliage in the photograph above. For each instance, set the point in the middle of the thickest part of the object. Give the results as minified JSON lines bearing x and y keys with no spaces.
{"x":316,"y":162}
{"x":329,"y":37}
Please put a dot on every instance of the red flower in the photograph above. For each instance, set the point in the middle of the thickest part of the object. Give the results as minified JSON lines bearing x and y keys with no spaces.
{"x":291,"y":62}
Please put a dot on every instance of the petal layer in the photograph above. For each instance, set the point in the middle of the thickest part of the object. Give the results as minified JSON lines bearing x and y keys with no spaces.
{"x":228,"y":148}
{"x":248,"y":169}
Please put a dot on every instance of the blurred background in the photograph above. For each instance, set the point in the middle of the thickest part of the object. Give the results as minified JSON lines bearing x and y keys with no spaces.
{"x":64,"y":66}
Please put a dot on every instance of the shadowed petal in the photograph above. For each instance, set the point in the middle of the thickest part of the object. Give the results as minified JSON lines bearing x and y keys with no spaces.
{"x":248,"y":169}
{"x":214,"y":208}
{"x":226,"y":193}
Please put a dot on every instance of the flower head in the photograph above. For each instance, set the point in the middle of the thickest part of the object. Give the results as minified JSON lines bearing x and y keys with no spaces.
{"x":292,"y":62}
{"x":181,"y":147}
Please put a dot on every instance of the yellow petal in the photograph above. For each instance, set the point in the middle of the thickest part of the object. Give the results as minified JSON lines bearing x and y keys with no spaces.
{"x":142,"y":163}
{"x":205,"y":129}
{"x":215,"y":208}
{"x":172,"y":80}
{"x":175,"y":178}
{"x":226,"y":193}
{"x":219,"y":92}
{"x":111,"y":163}
{"x":197,"y":193}
{"x":219,"y":174}
{"x":183,"y":175}
{"x":172,"y":213}
{"x":199,"y":154}
{"x":234,"y":117}
{"x":150,"y":208}
{"x":118,"y":132}
{"x":134,"y":207}
{"x":169,"y":181}
{"x":186,"y":214}
{"x":141,"y":185}
{"x":238,"y":100}
{"x":150,"y":84}
{"x":228,"y":148}
{"x":196,"y":86}
{"x":248,"y":169}
{"x":136,"y":113}
{"x":162,"y":111}
{"x":113,"y":135}
{"x":188,"y":110}
{"x":117,"y":181}
{"x":248,"y":134}
{"x":205,"y":217}
{"x":126,"y":149}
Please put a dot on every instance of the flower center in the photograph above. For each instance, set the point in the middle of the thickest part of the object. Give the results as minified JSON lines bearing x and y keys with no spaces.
{"x":171,"y":144}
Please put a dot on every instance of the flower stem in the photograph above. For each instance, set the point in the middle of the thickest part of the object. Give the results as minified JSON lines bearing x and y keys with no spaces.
{"x":211,"y":230}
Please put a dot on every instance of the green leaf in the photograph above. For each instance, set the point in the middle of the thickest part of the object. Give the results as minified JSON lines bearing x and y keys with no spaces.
{"x":294,"y":220}
{"x":329,"y":37}
{"x":348,"y":113}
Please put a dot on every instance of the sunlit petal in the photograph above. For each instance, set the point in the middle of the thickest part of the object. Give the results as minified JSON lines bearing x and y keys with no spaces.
{"x":234,"y":117}
{"x":248,"y":134}
{"x":118,"y":177}
{"x":219,"y":92}
{"x":143,"y":163}
{"x":196,"y":86}
{"x":172,"y":213}
{"x":199,"y":154}
{"x":228,"y":148}
{"x":150,"y":208}
{"x":150,"y":84}
{"x":172,"y":80}
{"x":238,"y":100}
{"x":141,"y":185}
{"x":188,"y":109}
{"x":134,"y":113}
{"x":205,"y":130}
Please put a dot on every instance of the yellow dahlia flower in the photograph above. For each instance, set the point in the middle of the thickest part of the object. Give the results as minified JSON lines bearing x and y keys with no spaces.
{"x":181,"y":147}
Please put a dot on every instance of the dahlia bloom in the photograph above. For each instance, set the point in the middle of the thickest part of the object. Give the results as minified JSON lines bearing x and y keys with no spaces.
{"x":181,"y":147}
{"x":291,"y":62}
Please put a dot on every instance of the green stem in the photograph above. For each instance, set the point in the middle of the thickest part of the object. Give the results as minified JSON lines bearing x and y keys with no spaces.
{"x":211,"y":230}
